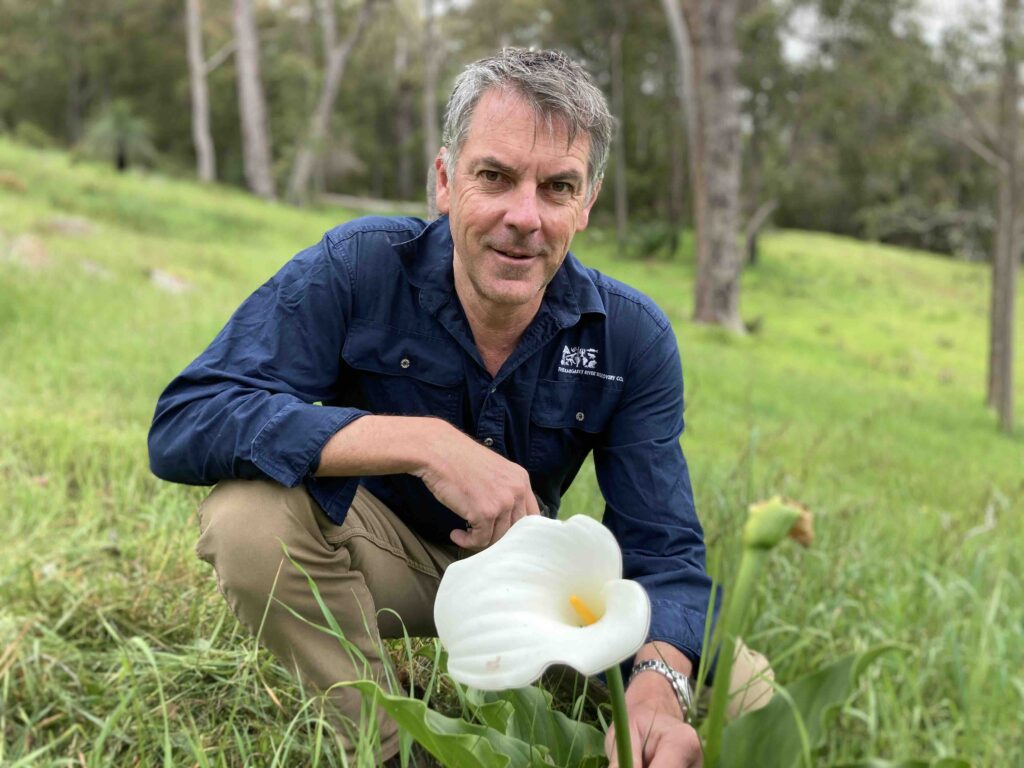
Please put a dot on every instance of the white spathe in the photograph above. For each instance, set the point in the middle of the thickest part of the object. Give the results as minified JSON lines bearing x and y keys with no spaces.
{"x":504,"y":614}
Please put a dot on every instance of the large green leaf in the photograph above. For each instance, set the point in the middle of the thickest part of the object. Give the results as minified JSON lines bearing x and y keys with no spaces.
{"x":532,"y":720}
{"x":451,"y":740}
{"x":793,"y":723}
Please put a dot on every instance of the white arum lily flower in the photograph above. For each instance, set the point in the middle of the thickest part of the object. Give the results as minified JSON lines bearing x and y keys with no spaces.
{"x":548,"y":592}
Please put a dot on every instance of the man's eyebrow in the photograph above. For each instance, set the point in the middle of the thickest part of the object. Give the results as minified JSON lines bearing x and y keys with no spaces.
{"x":569,"y":175}
{"x":496,"y":164}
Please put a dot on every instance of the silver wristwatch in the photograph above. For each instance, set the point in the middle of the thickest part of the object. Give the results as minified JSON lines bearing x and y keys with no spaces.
{"x":680,"y":683}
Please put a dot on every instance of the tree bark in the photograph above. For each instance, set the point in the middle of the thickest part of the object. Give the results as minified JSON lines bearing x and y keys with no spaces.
{"x":251,"y":103}
{"x":431,"y":132}
{"x":712,"y":26}
{"x":316,"y":132}
{"x":708,"y":58}
{"x":679,"y":176}
{"x":1007,"y":247}
{"x":404,"y":122}
{"x":206,"y":164}
{"x":619,"y":110}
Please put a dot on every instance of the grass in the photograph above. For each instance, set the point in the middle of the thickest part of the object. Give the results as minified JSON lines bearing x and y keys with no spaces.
{"x":861,"y":396}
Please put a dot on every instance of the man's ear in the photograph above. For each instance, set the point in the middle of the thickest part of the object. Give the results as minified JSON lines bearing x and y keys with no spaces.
{"x":442,"y":184}
{"x":584,"y":219}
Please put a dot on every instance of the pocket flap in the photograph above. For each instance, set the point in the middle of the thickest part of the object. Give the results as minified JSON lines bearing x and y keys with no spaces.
{"x":573,"y":405}
{"x":394,"y":352}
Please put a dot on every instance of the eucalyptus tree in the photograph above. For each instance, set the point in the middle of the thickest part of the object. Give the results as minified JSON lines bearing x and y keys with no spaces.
{"x":206,"y":162}
{"x":252,"y":107}
{"x":704,"y":34}
{"x":337,"y":57}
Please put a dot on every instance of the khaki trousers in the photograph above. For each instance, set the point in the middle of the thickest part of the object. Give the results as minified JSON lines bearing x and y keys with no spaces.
{"x":367,"y":570}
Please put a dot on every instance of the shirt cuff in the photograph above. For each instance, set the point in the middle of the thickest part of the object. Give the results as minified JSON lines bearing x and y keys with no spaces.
{"x":678,"y":626}
{"x":288,"y":447}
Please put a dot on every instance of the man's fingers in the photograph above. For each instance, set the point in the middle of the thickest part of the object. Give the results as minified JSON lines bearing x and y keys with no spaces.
{"x":678,"y":751}
{"x":525,"y":507}
{"x":532,"y":507}
{"x":635,"y":746}
{"x":677,"y":746}
{"x":502,"y":524}
{"x":478,"y":535}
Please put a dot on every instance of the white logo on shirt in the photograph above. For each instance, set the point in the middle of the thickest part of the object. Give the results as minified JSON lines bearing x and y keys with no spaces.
{"x":579,"y":361}
{"x":579,"y":357}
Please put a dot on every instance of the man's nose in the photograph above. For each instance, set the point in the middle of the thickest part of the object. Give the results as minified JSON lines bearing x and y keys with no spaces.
{"x":523,"y":212}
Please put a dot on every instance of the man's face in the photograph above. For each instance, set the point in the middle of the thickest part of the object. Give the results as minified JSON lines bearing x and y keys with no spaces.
{"x":516,"y":198}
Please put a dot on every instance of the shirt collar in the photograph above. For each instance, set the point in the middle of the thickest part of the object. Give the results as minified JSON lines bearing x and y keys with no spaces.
{"x":427,"y":260}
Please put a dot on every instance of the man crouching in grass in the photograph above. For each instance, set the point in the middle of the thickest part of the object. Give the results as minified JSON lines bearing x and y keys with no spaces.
{"x":402,"y":392}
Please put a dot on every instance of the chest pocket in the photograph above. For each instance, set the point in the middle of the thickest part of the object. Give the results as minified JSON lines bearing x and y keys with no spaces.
{"x":403,"y":373}
{"x":567,"y":419}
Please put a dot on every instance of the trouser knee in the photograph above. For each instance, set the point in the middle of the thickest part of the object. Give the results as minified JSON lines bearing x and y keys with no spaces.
{"x":247,"y":526}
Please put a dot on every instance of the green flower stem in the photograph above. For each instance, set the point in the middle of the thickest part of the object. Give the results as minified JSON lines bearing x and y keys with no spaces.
{"x":617,"y":692}
{"x":730,"y":627}
{"x":768,"y":523}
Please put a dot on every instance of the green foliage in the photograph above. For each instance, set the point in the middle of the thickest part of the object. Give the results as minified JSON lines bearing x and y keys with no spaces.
{"x":118,"y":135}
{"x":34,"y":136}
{"x":499,"y":744}
{"x":527,"y":714}
{"x":787,"y":732}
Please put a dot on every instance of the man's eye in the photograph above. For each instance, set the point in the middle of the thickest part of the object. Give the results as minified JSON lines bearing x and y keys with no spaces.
{"x":491,"y":176}
{"x":561,"y":187}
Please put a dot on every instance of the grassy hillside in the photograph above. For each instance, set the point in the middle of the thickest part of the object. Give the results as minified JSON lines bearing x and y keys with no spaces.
{"x":860,"y":395}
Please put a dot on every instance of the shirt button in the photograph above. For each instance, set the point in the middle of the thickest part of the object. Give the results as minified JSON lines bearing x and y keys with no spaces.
{"x":579,"y":416}
{"x":405,"y":362}
{"x":488,"y":442}
{"x":493,"y":390}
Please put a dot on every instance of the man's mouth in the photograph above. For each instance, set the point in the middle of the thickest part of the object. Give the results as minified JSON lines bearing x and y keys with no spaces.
{"x":512,"y":254}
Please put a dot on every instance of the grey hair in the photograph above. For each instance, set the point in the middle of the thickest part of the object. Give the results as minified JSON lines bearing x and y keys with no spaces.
{"x":558,"y":89}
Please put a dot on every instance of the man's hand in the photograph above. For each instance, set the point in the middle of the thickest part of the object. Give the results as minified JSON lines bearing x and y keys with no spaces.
{"x":659,"y":738}
{"x":659,"y":735}
{"x":482,"y":487}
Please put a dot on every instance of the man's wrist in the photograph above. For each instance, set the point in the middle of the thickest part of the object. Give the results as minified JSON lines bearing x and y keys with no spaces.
{"x":658,"y":686}
{"x":676,"y":682}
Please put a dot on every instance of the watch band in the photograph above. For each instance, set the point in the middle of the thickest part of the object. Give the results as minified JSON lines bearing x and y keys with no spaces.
{"x":680,"y":683}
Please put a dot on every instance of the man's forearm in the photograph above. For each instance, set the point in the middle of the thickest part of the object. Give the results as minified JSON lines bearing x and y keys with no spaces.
{"x":382,"y":445}
{"x":482,"y":487}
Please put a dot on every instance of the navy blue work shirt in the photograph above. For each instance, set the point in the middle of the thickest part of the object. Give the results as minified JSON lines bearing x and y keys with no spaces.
{"x":368,"y":321}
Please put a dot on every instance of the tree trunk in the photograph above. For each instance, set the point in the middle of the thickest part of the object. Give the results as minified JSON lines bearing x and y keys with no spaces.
{"x":431,"y":132}
{"x":404,"y":122}
{"x":251,"y":104}
{"x":712,"y":25}
{"x":687,"y":99}
{"x":713,"y":123}
{"x":679,"y":177}
{"x":619,"y":110}
{"x":206,"y":167}
{"x":754,"y":226}
{"x":73,"y":103}
{"x":1008,"y":237}
{"x":316,"y":132}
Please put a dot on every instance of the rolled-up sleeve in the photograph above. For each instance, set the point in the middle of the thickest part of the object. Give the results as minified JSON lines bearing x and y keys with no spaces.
{"x":649,"y":500}
{"x":247,"y":407}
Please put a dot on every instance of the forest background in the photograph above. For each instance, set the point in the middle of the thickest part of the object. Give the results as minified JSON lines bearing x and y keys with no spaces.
{"x":858,"y":117}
